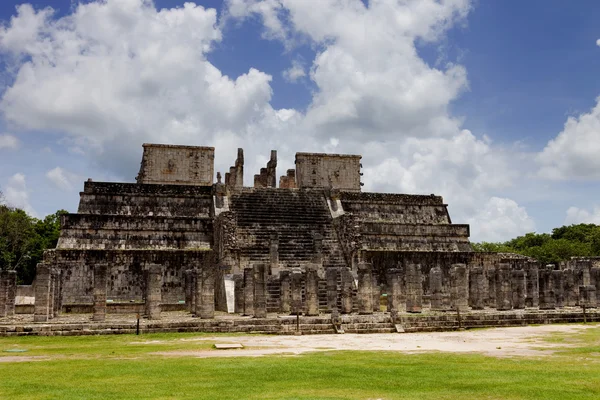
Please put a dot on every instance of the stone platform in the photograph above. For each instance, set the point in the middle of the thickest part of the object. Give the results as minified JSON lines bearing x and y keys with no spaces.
{"x":176,"y":321}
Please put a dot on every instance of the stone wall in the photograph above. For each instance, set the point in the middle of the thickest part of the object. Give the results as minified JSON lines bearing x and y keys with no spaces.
{"x":183,"y":165}
{"x":334,"y":171}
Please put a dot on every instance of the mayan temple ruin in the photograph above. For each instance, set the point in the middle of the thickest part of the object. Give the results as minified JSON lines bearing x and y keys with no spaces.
{"x":308,"y":243}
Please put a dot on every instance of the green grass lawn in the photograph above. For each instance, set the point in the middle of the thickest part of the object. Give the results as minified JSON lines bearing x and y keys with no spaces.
{"x":123,"y":367}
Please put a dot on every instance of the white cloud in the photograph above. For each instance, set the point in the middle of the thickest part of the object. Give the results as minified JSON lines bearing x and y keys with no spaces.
{"x":598,"y":42}
{"x":577,"y":215}
{"x":500,"y":219}
{"x":8,"y":142}
{"x":62,"y":178}
{"x":17,"y":194}
{"x":295,"y":72}
{"x":117,"y":73}
{"x":573,"y":154}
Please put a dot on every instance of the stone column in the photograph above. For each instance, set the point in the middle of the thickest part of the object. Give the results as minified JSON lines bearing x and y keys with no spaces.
{"x":42,"y":292}
{"x":331,"y":276}
{"x":248,"y":291}
{"x":52,"y":298}
{"x":435,"y":287}
{"x":365,"y":288}
{"x":58,"y":295}
{"x":587,"y":296}
{"x":558,"y":279}
{"x":518,"y":289}
{"x":260,"y":291}
{"x":346,"y":295}
{"x":414,"y":288}
{"x":296,"y":293}
{"x":11,"y":292}
{"x":189,"y":289}
{"x":571,"y":288}
{"x":503,"y":287}
{"x":459,"y":284}
{"x":274,"y":253}
{"x":595,"y":281}
{"x":491,"y":280}
{"x":312,"y":291}
{"x":3,"y":292}
{"x":285,"y":292}
{"x":99,"y":309}
{"x":154,"y":291}
{"x":394,"y":291}
{"x":546,"y":284}
{"x":238,"y":294}
{"x":477,"y":292}
{"x":205,"y":295}
{"x":532,"y":285}
{"x":376,"y":291}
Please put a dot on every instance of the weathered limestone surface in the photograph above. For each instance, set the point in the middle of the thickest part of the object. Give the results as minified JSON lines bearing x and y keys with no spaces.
{"x":414,"y":288}
{"x":504,"y":287}
{"x":336,"y":171}
{"x":285,"y":294}
{"x":394,"y":291}
{"x":100,"y":271}
{"x":518,"y":289}
{"x":249,"y":291}
{"x":435,"y":289}
{"x":459,"y":281}
{"x":260,"y":290}
{"x":365,"y":288}
{"x":587,"y":296}
{"x":331,"y":276}
{"x":311,"y":291}
{"x":477,"y":292}
{"x":296,"y":292}
{"x":3,"y":292}
{"x":238,"y":294}
{"x":559,"y":284}
{"x":154,"y":276}
{"x":532,"y":281}
{"x":346,"y":291}
{"x":42,"y":293}
{"x":547,"y":295}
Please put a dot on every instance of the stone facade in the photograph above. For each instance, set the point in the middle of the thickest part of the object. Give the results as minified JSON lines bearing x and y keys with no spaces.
{"x":315,"y":245}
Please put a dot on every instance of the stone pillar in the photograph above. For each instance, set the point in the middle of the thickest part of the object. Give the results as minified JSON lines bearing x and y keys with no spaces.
{"x":595,"y":281}
{"x":491,"y":281}
{"x":312,"y":291}
{"x":459,"y":287}
{"x":52,"y":298}
{"x":274,"y":254}
{"x":570,"y":288}
{"x":558,"y":279}
{"x":205,"y":294}
{"x":296,"y":293}
{"x":414,"y":288}
{"x":3,"y":292}
{"x":238,"y":294}
{"x":503,"y":287}
{"x":532,"y":285}
{"x":99,"y":310}
{"x":394,"y":291}
{"x":331,"y":276}
{"x":518,"y":289}
{"x":189,"y":289}
{"x":153,"y":291}
{"x":260,"y":291}
{"x":587,"y":296}
{"x":376,"y":291}
{"x":435,"y":287}
{"x":42,"y":292}
{"x":285,"y":292}
{"x":546,"y":284}
{"x":248,"y":291}
{"x":365,"y":288}
{"x":477,"y":292}
{"x":11,"y":292}
{"x":346,"y":295}
{"x":58,"y":295}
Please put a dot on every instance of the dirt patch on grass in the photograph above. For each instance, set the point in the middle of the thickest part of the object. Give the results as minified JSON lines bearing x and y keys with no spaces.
{"x":11,"y":359}
{"x":501,"y":342}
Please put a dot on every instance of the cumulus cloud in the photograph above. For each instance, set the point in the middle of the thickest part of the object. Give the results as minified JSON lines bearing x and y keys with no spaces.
{"x":598,"y":42}
{"x":117,"y":73}
{"x":17,"y":194}
{"x":573,"y":154}
{"x":8,"y":141}
{"x":500,"y":219}
{"x":62,"y":178}
{"x":577,"y":215}
{"x":295,"y":72}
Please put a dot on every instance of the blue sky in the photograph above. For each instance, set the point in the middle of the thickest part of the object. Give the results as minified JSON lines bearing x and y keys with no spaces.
{"x":466,"y":99}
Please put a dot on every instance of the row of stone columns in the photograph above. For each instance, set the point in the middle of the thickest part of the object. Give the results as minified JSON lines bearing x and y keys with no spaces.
{"x":8,"y":292}
{"x":200,"y":292}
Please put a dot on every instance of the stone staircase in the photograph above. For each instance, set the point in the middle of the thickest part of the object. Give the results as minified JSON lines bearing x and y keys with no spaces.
{"x":295,"y":217}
